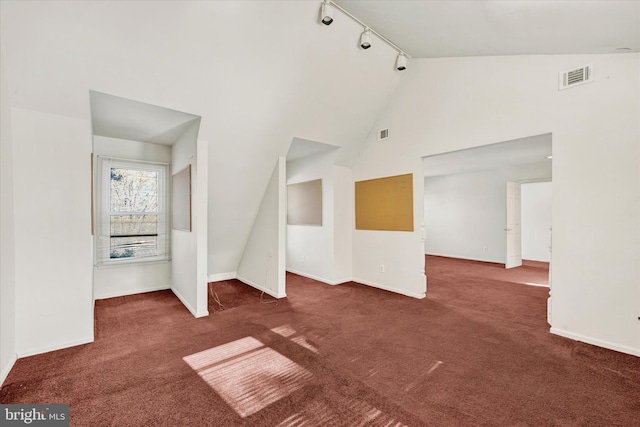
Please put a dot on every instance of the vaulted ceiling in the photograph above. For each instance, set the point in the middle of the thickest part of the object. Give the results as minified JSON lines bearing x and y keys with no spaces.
{"x":431,"y":29}
{"x":263,"y":74}
{"x":258,"y":73}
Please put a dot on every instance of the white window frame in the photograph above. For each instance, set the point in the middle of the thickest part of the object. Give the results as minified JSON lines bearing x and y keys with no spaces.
{"x":103,"y":210}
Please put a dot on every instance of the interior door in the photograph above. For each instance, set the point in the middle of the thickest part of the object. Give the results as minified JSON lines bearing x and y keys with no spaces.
{"x":513,"y":226}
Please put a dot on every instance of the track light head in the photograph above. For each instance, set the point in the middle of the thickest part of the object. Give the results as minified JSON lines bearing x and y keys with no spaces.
{"x":365,"y":39}
{"x":401,"y":62}
{"x":326,"y":17}
{"x":326,"y":13}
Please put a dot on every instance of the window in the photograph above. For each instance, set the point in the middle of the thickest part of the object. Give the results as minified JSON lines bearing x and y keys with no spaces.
{"x":132,"y":211}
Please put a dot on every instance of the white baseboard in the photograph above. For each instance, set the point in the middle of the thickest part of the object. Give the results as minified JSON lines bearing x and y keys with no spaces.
{"x":466,"y":257}
{"x":133,"y":292}
{"x":204,"y":313}
{"x":33,"y":352}
{"x":7,"y":369}
{"x":193,"y":311}
{"x":260,"y":287}
{"x":536,"y":260}
{"x":218,"y":277}
{"x":319,"y":279}
{"x":596,"y":341}
{"x":390,"y":288}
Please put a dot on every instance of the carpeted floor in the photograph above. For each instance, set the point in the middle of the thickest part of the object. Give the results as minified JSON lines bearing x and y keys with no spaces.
{"x":476,"y":351}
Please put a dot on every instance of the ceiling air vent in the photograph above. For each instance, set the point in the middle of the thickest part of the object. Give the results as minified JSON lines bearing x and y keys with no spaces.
{"x":576,"y":77}
{"x":383,"y":134}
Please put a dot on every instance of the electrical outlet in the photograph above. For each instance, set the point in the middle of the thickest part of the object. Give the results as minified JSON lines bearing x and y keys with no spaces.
{"x":381,"y":268}
{"x":302,"y":258}
{"x":486,"y":249}
{"x":270,"y":253}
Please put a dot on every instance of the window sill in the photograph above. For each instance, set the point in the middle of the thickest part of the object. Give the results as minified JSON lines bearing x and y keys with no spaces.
{"x":131,"y":263}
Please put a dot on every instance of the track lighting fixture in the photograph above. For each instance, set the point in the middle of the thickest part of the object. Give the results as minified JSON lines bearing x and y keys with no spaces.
{"x":326,"y":13}
{"x":326,"y":17}
{"x":365,"y":39}
{"x":401,"y":62}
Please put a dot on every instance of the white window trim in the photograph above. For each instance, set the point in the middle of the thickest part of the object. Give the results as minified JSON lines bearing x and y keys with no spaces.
{"x":103,"y":211}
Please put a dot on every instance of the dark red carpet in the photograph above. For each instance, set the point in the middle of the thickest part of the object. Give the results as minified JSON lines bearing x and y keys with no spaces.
{"x":476,"y":351}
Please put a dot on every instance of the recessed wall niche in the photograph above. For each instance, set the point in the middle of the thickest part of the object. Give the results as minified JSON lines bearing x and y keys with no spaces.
{"x":304,"y":203}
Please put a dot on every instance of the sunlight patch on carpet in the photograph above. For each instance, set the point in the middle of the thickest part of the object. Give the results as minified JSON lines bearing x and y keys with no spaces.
{"x":434,"y":366}
{"x":287,"y":331}
{"x":248,"y":375}
{"x":302,"y":341}
{"x":284,"y":331}
{"x":420,"y":378}
{"x":339,"y":411}
{"x":221,"y":353}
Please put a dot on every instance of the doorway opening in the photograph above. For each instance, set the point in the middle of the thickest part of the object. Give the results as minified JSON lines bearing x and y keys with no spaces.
{"x":473,"y":202}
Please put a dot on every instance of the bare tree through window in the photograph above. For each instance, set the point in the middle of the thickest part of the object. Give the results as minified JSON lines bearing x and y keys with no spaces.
{"x":133,"y":200}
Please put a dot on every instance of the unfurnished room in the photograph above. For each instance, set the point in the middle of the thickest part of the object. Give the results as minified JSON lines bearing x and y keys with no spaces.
{"x":320,"y":213}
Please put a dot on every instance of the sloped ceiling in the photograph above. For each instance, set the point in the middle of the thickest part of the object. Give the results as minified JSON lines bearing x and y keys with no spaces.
{"x":431,"y":29}
{"x":300,"y":148}
{"x":258,"y":73}
{"x":261,"y":73}
{"x":116,"y":117}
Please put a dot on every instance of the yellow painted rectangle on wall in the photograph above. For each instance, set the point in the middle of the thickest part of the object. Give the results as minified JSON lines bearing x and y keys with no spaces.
{"x":385,"y":203}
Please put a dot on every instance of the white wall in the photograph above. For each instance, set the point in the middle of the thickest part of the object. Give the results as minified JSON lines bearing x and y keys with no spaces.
{"x":536,"y":220}
{"x":264,"y":66}
{"x":184,"y":244}
{"x":310,"y":247}
{"x":118,"y":280}
{"x":465,"y":213}
{"x":133,"y":150}
{"x":343,"y":223}
{"x":200,"y":203}
{"x":263,"y":262}
{"x":401,"y":252}
{"x":326,"y":249}
{"x":7,"y":238}
{"x":53,"y":251}
{"x":447,"y":104}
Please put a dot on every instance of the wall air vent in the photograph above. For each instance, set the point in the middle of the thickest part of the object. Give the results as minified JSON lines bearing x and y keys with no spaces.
{"x":383,"y":134}
{"x":576,"y":77}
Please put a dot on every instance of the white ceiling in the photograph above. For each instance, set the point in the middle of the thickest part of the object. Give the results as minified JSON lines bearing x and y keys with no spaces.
{"x":257,"y":72}
{"x":524,"y":151}
{"x":303,"y":147}
{"x":116,"y":117}
{"x":260,"y":73}
{"x":431,"y":29}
